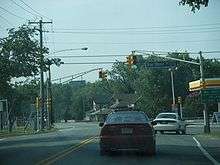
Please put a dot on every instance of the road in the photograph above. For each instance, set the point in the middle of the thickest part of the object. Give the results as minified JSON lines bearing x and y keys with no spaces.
{"x":77,"y":143}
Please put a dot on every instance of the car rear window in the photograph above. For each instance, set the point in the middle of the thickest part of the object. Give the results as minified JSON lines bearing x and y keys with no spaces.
{"x":167,"y":116}
{"x":122,"y":117}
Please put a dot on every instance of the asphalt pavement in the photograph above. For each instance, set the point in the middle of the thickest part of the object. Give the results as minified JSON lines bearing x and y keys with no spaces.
{"x":77,"y":143}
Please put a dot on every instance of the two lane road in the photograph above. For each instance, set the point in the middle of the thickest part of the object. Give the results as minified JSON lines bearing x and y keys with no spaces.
{"x":77,"y":143}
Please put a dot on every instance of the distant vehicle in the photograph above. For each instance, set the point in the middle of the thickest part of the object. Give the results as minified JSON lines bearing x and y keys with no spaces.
{"x":169,"y":122}
{"x":127,"y":130}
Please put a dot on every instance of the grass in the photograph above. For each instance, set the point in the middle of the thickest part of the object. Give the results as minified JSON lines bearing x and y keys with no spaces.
{"x":19,"y":131}
{"x":213,"y":134}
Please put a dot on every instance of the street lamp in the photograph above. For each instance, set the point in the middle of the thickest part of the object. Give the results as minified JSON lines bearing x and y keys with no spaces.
{"x":65,"y":50}
{"x":57,"y":62}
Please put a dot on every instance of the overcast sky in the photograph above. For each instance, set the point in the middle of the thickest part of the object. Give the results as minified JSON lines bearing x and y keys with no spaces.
{"x":116,"y":27}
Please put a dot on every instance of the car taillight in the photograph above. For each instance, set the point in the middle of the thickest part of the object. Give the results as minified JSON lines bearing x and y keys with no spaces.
{"x":108,"y":130}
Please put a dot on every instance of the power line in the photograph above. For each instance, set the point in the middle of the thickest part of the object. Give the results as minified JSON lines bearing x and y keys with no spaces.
{"x":211,"y":52}
{"x":12,"y":13}
{"x":135,"y":28}
{"x":134,"y":33}
{"x":128,"y":43}
{"x":8,"y":22}
{"x":124,"y":55}
{"x":34,"y":10}
{"x":23,"y":8}
{"x":120,"y":31}
{"x":138,"y":31}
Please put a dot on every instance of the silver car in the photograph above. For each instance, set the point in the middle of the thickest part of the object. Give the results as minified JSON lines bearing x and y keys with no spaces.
{"x":169,"y":122}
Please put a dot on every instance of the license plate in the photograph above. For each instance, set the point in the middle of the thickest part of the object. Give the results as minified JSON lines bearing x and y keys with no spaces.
{"x":126,"y":130}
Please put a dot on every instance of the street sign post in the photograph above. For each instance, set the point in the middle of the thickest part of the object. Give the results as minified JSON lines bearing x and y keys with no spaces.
{"x":210,"y":95}
{"x":216,"y":117}
{"x":1,"y":106}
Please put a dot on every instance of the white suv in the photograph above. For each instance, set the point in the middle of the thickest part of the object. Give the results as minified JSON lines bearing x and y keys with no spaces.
{"x":169,"y":122}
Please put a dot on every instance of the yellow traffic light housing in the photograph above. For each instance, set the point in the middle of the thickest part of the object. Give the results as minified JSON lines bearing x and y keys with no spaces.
{"x":131,"y":60}
{"x":37,"y":103}
{"x":103,"y":75}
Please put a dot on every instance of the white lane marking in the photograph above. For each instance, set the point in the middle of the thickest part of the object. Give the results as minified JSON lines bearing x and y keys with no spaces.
{"x":206,"y":153}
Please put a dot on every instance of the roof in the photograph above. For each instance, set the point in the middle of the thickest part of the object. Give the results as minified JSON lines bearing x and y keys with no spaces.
{"x":102,"y":99}
{"x":103,"y":111}
{"x":124,"y":100}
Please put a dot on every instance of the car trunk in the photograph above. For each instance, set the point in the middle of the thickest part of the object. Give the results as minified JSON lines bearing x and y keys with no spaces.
{"x":126,"y":129}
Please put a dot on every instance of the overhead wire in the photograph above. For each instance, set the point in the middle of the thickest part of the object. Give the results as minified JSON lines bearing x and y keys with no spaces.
{"x":127,"y":43}
{"x":123,"y":55}
{"x":38,"y":13}
{"x":12,"y":13}
{"x":23,"y":8}
{"x":8,"y":22}
{"x":134,"y":32}
{"x":135,"y":28}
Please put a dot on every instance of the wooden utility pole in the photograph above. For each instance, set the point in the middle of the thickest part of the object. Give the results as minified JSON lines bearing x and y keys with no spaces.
{"x":42,"y":94}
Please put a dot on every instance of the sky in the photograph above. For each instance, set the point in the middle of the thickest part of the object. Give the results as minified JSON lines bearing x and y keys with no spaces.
{"x":114,"y":27}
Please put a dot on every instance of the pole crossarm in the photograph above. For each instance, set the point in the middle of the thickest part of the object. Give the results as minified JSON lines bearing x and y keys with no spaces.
{"x":165,"y":57}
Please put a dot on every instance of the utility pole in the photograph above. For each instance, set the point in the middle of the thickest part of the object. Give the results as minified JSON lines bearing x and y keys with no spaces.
{"x":173,"y":92}
{"x":205,"y":113}
{"x":42,"y":96}
{"x":49,"y":98}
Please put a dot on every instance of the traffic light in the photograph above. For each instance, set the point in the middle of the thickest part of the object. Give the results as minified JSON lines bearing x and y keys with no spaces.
{"x":103,"y":75}
{"x":37,"y":103}
{"x":100,"y":74}
{"x":131,"y":60}
{"x":134,"y":60}
{"x":179,"y":100}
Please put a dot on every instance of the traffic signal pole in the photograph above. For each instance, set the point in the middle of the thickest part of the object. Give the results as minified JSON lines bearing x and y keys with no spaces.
{"x":205,"y":113}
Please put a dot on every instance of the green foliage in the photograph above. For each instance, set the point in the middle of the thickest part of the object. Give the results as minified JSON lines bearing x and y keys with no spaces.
{"x":194,"y":4}
{"x":19,"y":56}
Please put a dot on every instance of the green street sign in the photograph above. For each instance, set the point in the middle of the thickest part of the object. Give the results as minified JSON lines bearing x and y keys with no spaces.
{"x":211,"y":95}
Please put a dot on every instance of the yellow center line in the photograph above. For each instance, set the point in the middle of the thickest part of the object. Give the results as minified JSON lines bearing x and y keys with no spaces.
{"x":57,"y":156}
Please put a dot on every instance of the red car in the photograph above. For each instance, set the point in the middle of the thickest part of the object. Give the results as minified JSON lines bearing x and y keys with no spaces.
{"x":127,"y":130}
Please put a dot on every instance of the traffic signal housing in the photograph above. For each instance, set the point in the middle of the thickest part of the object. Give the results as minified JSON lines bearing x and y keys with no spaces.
{"x":131,"y":60}
{"x":103,"y":75}
{"x":179,"y":100}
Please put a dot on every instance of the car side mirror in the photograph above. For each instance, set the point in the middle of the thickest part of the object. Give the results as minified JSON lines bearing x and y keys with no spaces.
{"x":153,"y":122}
{"x":101,"y":124}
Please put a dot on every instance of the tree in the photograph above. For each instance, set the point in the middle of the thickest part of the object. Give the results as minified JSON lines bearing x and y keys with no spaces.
{"x":194,"y":4}
{"x":19,"y":57}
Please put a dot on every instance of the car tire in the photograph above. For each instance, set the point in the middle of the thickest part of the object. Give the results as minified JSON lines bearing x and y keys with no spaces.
{"x":183,"y":132}
{"x":103,"y":152}
{"x":162,"y":132}
{"x":155,"y":131}
{"x":178,"y":132}
{"x":151,"y":151}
